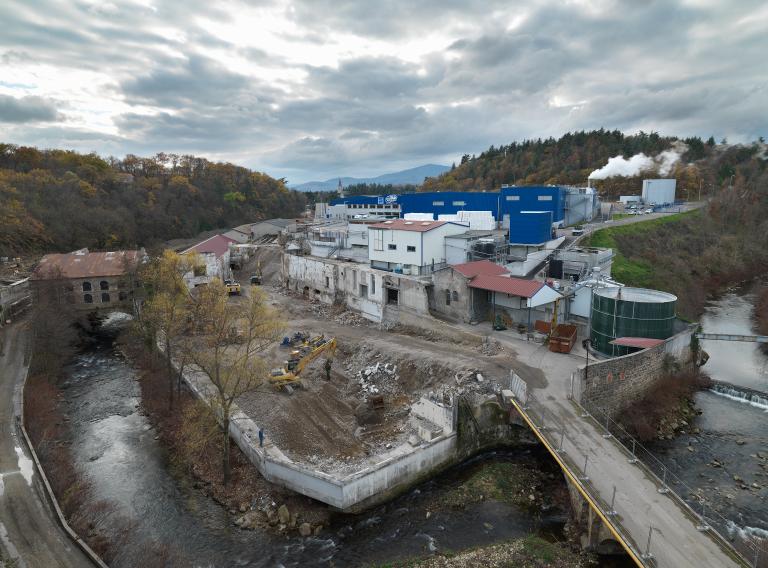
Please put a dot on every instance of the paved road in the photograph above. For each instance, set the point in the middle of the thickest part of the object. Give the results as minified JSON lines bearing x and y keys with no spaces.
{"x":675,"y":541}
{"x":29,"y":532}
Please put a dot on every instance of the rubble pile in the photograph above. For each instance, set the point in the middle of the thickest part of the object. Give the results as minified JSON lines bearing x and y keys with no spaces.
{"x":378,"y":379}
{"x":490,"y":347}
{"x":349,"y":318}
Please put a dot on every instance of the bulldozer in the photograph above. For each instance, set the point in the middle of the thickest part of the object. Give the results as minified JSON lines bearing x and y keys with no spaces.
{"x":287,"y":376}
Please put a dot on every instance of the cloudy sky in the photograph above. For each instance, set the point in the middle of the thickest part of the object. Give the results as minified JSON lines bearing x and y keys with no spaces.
{"x":311,"y":89}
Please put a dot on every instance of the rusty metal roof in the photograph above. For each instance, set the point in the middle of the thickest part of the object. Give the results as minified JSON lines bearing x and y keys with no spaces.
{"x":478,"y":267}
{"x":641,"y":342}
{"x":84,"y":264}
{"x":507,"y":285}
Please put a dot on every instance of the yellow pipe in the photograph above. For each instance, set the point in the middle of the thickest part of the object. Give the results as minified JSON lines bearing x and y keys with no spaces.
{"x":578,"y":485}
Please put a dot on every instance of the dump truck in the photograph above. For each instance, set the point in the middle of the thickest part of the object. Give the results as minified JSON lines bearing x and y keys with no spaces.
{"x":288,"y":374}
{"x":233,"y":288}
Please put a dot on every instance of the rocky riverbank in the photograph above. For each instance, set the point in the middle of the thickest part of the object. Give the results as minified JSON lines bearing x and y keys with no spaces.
{"x":186,"y":429}
{"x":668,"y":409}
{"x":530,"y":552}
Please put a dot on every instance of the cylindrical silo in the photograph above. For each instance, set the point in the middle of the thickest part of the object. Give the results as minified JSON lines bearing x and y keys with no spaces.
{"x":630,"y":312}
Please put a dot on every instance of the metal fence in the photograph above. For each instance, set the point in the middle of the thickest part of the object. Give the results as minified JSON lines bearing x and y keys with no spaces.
{"x":752,"y":552}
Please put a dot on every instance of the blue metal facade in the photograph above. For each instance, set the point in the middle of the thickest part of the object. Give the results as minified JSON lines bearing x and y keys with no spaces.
{"x":530,"y":227}
{"x":515,"y":199}
{"x":508,"y":201}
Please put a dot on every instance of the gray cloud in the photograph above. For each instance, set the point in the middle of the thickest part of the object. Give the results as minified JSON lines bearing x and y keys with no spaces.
{"x":27,"y":109}
{"x":173,"y":78}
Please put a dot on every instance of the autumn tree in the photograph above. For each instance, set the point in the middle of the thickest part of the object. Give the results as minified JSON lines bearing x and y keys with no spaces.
{"x":231,"y":338}
{"x":165,"y":313}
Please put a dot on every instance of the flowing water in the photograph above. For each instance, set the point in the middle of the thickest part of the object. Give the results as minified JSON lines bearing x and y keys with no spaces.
{"x":118,"y":450}
{"x":733,"y":426}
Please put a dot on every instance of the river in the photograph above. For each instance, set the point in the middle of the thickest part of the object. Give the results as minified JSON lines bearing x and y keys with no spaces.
{"x":733,"y":430}
{"x":153,"y":509}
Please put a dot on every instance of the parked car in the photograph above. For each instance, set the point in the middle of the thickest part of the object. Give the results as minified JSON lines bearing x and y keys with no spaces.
{"x":577,"y":230}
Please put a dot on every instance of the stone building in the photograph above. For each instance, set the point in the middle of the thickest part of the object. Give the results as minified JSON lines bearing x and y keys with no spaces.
{"x":88,"y":280}
{"x":480,"y":290}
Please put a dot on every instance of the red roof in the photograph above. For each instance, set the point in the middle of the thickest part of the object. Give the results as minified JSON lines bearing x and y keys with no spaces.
{"x":406,"y":225}
{"x":641,"y":342}
{"x":506,"y":285}
{"x":486,"y":267}
{"x":218,"y":245}
{"x":84,"y":264}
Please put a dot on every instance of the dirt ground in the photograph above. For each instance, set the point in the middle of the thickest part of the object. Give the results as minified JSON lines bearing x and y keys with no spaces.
{"x":330,"y":424}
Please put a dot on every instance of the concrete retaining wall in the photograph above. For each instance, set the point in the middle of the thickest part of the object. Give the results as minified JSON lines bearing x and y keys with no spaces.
{"x":398,"y":469}
{"x":611,"y":386}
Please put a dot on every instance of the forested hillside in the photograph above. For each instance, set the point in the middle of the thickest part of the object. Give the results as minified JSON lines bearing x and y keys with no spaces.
{"x":59,"y":200}
{"x":573,"y":157}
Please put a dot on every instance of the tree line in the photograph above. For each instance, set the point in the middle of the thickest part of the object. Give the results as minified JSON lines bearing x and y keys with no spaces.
{"x":61,"y":200}
{"x":571,"y":158}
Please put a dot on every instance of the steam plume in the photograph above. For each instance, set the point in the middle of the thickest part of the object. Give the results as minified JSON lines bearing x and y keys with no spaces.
{"x":662,"y":163}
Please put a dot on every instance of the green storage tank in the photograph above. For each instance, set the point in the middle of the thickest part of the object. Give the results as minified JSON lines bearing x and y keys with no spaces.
{"x":630,"y":312}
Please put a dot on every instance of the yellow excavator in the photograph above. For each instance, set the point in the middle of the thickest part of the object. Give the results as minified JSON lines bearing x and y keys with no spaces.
{"x":311,"y":349}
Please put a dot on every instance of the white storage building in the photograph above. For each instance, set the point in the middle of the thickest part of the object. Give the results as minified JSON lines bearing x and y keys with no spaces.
{"x":410,"y":247}
{"x":659,"y":191}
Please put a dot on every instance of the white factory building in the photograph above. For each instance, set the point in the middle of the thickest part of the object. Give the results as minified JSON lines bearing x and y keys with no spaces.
{"x":659,"y":191}
{"x":410,"y":247}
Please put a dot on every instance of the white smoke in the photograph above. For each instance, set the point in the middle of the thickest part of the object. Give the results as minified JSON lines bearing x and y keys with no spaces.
{"x":627,"y":167}
{"x":621,"y":166}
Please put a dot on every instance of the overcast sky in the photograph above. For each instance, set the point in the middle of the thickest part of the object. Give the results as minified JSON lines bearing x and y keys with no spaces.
{"x":312,"y":89}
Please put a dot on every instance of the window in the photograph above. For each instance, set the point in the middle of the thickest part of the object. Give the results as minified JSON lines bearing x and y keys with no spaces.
{"x":87,"y":287}
{"x":363,"y":290}
{"x":378,"y":239}
{"x":447,"y":297}
{"x":438,"y":203}
{"x":200,"y":270}
{"x":88,"y":299}
{"x":123,"y":296}
{"x":459,"y":203}
{"x":455,"y":296}
{"x":104,"y":285}
{"x":373,"y":284}
{"x":513,"y":198}
{"x":104,"y":298}
{"x":411,"y":248}
{"x":327,"y":282}
{"x":392,"y":246}
{"x":545,"y":198}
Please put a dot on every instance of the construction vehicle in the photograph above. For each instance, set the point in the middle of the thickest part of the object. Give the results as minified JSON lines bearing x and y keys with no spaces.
{"x":233,"y":288}
{"x":287,"y":376}
{"x":256,"y":276}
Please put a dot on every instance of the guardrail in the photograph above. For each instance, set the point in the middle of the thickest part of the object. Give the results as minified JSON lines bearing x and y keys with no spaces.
{"x":751,"y":553}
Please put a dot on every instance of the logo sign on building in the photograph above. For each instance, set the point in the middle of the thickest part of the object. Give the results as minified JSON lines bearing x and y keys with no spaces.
{"x":389,"y":199}
{"x":380,"y":200}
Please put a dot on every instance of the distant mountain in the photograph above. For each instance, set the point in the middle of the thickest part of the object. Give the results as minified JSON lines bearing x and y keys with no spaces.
{"x":413,"y":176}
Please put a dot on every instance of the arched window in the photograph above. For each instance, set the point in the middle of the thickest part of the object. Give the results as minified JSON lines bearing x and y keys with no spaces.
{"x":104,"y":285}
{"x":104,"y":298}
{"x":88,"y":299}
{"x":447,"y":297}
{"x":455,"y":296}
{"x":87,"y":287}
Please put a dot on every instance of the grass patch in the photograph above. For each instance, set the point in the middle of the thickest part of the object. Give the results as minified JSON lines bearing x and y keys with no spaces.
{"x":633,"y":271}
{"x":505,"y":482}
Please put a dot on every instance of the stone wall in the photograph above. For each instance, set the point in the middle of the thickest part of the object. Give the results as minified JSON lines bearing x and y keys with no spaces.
{"x":614,"y":384}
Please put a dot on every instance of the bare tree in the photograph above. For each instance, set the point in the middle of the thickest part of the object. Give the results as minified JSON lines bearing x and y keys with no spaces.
{"x":229,"y":349}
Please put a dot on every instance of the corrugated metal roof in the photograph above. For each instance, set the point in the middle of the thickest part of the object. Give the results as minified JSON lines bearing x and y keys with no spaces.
{"x":472,"y":269}
{"x":641,"y":342}
{"x":405,"y":225}
{"x":217,"y":244}
{"x":84,"y":264}
{"x":507,"y":285}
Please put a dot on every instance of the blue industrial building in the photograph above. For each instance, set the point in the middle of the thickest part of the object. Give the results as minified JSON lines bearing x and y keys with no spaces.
{"x":511,"y":200}
{"x":530,"y":211}
{"x":530,"y":227}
